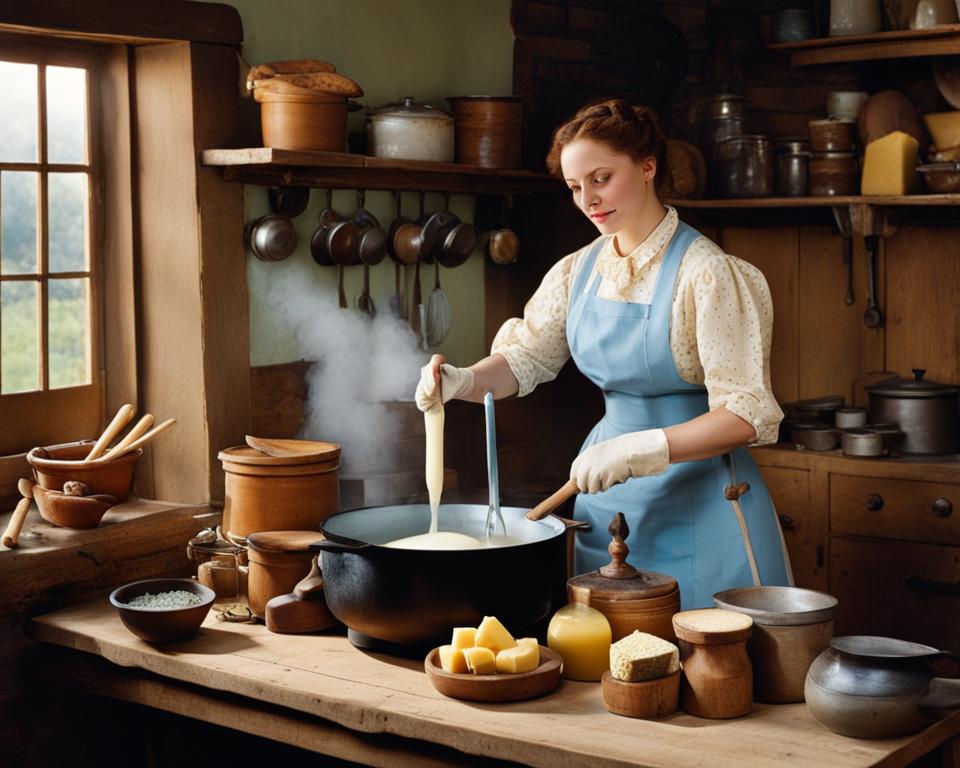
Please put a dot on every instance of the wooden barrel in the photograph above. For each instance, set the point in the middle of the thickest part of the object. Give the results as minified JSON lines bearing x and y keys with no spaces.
{"x":488,"y":130}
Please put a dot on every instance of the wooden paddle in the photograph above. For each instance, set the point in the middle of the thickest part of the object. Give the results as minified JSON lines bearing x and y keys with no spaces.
{"x":143,"y":440}
{"x":123,"y":417}
{"x":548,"y":505}
{"x":283,"y":448}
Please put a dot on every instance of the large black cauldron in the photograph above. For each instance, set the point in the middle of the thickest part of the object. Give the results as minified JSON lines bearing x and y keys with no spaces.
{"x":405,"y":600}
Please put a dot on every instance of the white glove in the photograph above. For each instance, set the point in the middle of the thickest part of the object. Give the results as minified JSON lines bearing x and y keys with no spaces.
{"x":454,"y":382}
{"x":634,"y":454}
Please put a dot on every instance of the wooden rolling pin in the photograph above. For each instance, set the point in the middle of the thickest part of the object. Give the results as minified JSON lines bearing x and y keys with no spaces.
{"x":12,"y":535}
{"x":124,"y":416}
{"x":547,"y":506}
{"x":143,"y":440}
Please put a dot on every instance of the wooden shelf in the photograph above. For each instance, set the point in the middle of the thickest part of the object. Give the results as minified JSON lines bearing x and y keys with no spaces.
{"x":822,"y":201}
{"x":337,"y":170}
{"x":936,"y":41}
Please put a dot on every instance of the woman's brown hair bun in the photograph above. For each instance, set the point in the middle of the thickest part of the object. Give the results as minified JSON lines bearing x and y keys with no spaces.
{"x":625,"y":128}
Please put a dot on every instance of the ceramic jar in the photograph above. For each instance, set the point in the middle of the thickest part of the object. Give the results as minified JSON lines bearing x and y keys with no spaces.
{"x":278,"y":561}
{"x":855,"y":17}
{"x":717,"y":673}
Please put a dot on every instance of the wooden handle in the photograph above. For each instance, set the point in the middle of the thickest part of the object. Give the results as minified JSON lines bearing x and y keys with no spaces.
{"x":12,"y":534}
{"x":547,"y":506}
{"x":123,"y":417}
{"x":139,"y":441}
{"x":135,"y":433}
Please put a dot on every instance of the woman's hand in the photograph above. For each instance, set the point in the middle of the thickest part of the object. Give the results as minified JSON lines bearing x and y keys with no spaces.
{"x":614,"y":461}
{"x":441,"y":382}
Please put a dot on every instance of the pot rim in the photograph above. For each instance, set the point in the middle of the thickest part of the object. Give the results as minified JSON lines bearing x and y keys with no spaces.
{"x":42,"y":463}
{"x":407,"y":108}
{"x":767,"y":617}
{"x":480,"y":97}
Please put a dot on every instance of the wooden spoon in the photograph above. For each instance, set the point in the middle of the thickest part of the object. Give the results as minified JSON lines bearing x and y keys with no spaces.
{"x":123,"y":417}
{"x":135,"y":433}
{"x":280,"y":448}
{"x":547,"y":506}
{"x":143,"y":440}
{"x":12,"y":535}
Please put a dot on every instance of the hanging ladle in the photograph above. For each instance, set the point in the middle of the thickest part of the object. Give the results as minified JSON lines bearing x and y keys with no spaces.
{"x":872,"y":317}
{"x":494,"y":515}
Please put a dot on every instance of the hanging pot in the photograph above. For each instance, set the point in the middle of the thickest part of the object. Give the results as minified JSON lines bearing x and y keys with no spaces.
{"x":926,"y":411}
{"x":272,"y":237}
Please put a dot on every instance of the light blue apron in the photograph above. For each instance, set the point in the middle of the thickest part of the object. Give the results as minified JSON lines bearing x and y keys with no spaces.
{"x":681,"y":523}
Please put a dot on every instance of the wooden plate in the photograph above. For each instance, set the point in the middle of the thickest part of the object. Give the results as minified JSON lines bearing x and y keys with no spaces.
{"x":470,"y":687}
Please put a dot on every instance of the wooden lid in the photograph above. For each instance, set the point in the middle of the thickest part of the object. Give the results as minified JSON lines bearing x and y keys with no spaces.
{"x":283,"y":541}
{"x":313,"y":451}
{"x":619,"y":580}
{"x":712,"y":626}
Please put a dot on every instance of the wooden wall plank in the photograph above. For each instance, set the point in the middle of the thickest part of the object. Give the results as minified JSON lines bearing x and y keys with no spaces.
{"x":775,"y":251}
{"x":923,"y":323}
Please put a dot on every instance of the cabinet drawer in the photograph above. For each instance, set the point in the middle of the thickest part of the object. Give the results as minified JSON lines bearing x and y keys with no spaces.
{"x":888,"y":588}
{"x":910,"y":510}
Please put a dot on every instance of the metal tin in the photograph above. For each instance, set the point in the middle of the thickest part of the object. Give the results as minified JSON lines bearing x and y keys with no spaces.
{"x":927,"y":412}
{"x":791,"y":167}
{"x":848,"y":418}
{"x":744,"y":166}
{"x":411,"y":131}
{"x":861,"y":442}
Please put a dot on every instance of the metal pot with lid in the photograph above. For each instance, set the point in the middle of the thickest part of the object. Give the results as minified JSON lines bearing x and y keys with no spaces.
{"x":926,"y":411}
{"x":411,"y":131}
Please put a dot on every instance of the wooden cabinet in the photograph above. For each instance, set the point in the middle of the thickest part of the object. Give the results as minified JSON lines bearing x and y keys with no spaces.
{"x":883,"y":536}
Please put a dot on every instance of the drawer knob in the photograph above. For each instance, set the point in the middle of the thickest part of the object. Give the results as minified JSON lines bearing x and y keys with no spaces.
{"x":874,"y":502}
{"x":942,"y":507}
{"x":787,"y":522}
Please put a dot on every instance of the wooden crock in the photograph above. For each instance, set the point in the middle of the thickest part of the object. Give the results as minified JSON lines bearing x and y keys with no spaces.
{"x":289,"y":493}
{"x":295,"y":122}
{"x":717,"y":673}
{"x":279,"y":560}
{"x":488,"y":130}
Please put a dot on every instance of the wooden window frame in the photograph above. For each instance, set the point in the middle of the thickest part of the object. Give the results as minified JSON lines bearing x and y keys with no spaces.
{"x":46,"y":415}
{"x":176,"y":338}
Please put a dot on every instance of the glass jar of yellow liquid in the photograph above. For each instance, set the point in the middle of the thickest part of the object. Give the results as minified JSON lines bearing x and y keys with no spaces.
{"x":581,"y":635}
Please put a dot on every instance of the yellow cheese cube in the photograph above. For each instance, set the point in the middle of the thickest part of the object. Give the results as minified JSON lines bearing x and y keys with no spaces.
{"x":890,"y":165}
{"x":452,"y":659}
{"x":480,"y":661}
{"x":529,"y":641}
{"x":520,"y":658}
{"x":464,"y":637}
{"x":493,"y":635}
{"x":944,"y":127}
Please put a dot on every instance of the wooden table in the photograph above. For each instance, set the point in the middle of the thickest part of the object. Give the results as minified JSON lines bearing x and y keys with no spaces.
{"x":320,"y":693}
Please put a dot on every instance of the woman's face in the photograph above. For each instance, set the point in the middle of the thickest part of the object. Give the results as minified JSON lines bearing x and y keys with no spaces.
{"x":610,"y":188}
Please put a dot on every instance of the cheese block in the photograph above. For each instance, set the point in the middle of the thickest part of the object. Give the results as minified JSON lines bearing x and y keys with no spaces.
{"x":890,"y":165}
{"x":529,"y":641}
{"x":493,"y":635}
{"x":464,"y":637}
{"x":520,"y":658}
{"x":480,"y":661}
{"x":944,"y":127}
{"x":452,"y":659}
{"x":640,"y":656}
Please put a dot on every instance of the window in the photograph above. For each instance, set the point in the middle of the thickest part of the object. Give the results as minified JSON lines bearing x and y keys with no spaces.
{"x":50,"y":274}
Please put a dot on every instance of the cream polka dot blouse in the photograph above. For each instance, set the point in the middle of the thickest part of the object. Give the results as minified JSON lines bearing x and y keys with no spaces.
{"x":721,"y":321}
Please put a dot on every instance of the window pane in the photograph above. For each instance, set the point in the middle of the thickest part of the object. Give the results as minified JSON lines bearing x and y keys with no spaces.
{"x":66,"y":115}
{"x":19,"y":337}
{"x":69,"y":332}
{"x":67,"y":221}
{"x":18,"y":222}
{"x":18,"y":112}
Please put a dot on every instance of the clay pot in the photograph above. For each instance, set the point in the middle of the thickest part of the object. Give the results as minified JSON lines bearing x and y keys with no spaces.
{"x":279,"y":560}
{"x":80,"y":512}
{"x":56,"y":464}
{"x":268,"y":493}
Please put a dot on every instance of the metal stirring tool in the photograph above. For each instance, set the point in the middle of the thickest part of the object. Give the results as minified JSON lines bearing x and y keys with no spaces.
{"x":494,"y":516}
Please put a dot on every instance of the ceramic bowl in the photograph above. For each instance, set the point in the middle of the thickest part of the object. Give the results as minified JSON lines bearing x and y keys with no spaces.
{"x":162,"y":625}
{"x":65,"y":511}
{"x":54,"y":465}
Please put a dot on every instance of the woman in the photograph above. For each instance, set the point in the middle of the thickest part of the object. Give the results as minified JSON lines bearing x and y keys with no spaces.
{"x":676,"y":333}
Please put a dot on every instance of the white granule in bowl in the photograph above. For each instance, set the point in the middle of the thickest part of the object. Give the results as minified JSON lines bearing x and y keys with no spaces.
{"x":164,"y":601}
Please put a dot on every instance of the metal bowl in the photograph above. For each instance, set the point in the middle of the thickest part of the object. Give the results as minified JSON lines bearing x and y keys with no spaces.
{"x":779,"y":606}
{"x":941,"y":177}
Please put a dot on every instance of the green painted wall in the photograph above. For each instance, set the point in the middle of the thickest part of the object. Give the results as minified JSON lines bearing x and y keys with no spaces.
{"x":425,"y":48}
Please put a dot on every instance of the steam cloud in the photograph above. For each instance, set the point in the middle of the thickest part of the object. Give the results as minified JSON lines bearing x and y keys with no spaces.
{"x":359,"y":364}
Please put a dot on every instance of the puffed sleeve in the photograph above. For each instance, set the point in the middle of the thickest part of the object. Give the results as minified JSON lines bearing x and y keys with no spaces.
{"x":535,"y":346}
{"x":727,"y":303}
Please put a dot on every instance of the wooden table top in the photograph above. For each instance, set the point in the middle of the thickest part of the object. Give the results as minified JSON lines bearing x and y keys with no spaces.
{"x":324,"y":676}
